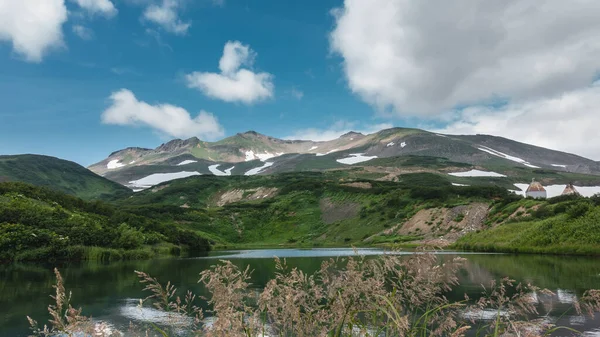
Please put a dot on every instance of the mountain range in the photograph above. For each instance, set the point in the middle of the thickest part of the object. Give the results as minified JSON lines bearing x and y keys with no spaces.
{"x":388,"y":153}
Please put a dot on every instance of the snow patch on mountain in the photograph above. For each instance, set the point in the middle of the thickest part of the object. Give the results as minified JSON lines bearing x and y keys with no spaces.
{"x":323,"y":154}
{"x":264,"y":156}
{"x":390,"y":144}
{"x":185,"y":162}
{"x":476,"y":173}
{"x":559,"y":165}
{"x":257,"y":170}
{"x":313,"y":148}
{"x":455,"y":184}
{"x":114,"y":164}
{"x":355,"y":158}
{"x":214,"y":170}
{"x":251,"y":155}
{"x":157,"y":178}
{"x":403,"y":145}
{"x":506,"y":156}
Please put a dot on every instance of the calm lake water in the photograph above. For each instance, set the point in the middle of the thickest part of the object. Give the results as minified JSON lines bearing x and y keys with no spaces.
{"x":110,"y":292}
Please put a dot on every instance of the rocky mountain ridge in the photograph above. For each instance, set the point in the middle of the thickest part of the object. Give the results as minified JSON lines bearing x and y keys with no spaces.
{"x":252,"y":153}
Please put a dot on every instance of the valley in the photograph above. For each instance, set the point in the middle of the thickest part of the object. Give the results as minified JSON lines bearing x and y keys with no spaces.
{"x":397,"y":187}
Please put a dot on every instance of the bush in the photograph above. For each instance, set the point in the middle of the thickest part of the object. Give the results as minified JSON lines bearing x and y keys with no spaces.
{"x":578,"y":210}
{"x":129,"y":238}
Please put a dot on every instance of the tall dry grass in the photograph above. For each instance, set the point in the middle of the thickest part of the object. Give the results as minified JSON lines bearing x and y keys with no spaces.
{"x":391,"y":295}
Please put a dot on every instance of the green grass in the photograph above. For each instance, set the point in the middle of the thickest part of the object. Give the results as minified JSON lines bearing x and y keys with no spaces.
{"x":416,"y":161}
{"x":562,"y":229}
{"x":38,"y":224}
{"x":294,"y":215}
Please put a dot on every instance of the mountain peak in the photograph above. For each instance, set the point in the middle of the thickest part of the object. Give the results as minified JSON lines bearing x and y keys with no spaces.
{"x":351,"y":134}
{"x":179,"y":143}
{"x":252,"y":133}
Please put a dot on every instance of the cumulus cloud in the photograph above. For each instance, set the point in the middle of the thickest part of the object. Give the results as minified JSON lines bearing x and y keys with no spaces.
{"x":33,"y":26}
{"x":175,"y":121}
{"x":101,"y":7}
{"x":425,"y":57}
{"x":166,"y":16}
{"x":83,"y":32}
{"x":336,"y":130}
{"x":234,"y":83}
{"x":568,"y":122}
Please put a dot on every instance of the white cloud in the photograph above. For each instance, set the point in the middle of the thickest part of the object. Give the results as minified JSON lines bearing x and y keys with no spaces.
{"x":424,"y":57}
{"x":172,"y":120}
{"x":166,"y":16}
{"x":336,"y":130}
{"x":33,"y":26}
{"x":297,"y":94}
{"x":102,"y":7}
{"x":568,"y":122}
{"x":83,"y":32}
{"x":234,"y":84}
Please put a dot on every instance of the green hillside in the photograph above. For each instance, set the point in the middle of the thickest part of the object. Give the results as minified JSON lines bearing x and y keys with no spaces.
{"x":316,"y":208}
{"x":561,"y":225}
{"x":39,"y":224}
{"x":60,"y":175}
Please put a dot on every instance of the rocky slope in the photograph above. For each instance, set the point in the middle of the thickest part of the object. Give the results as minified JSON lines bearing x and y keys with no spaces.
{"x":252,"y":153}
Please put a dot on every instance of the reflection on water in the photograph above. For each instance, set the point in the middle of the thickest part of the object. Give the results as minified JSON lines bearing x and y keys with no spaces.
{"x":110,"y":292}
{"x":312,"y":253}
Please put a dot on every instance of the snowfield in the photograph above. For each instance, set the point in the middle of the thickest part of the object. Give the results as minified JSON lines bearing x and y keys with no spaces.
{"x":251,"y":155}
{"x":185,"y":162}
{"x":390,"y":144}
{"x":313,"y":148}
{"x":403,"y":145}
{"x":214,"y":170}
{"x":114,"y":164}
{"x":476,"y":173}
{"x":157,"y":178}
{"x":454,"y":184}
{"x":355,"y":158}
{"x":506,"y":156}
{"x":556,"y":190}
{"x":323,"y":154}
{"x":559,"y":165}
{"x":257,"y":170}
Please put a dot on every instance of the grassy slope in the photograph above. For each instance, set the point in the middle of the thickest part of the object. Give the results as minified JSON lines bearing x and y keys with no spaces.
{"x":41,"y":224}
{"x":555,"y":226}
{"x":295,"y":214}
{"x":60,"y":175}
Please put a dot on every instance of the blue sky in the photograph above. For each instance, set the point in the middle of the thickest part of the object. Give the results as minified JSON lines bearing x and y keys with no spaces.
{"x":54,"y":106}
{"x":87,"y":77}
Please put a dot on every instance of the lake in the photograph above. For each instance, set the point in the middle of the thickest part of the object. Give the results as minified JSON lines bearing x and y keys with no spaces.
{"x":111,"y":291}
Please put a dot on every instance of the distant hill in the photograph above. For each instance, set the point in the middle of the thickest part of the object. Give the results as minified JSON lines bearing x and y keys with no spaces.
{"x":58,"y":174}
{"x":252,"y":153}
